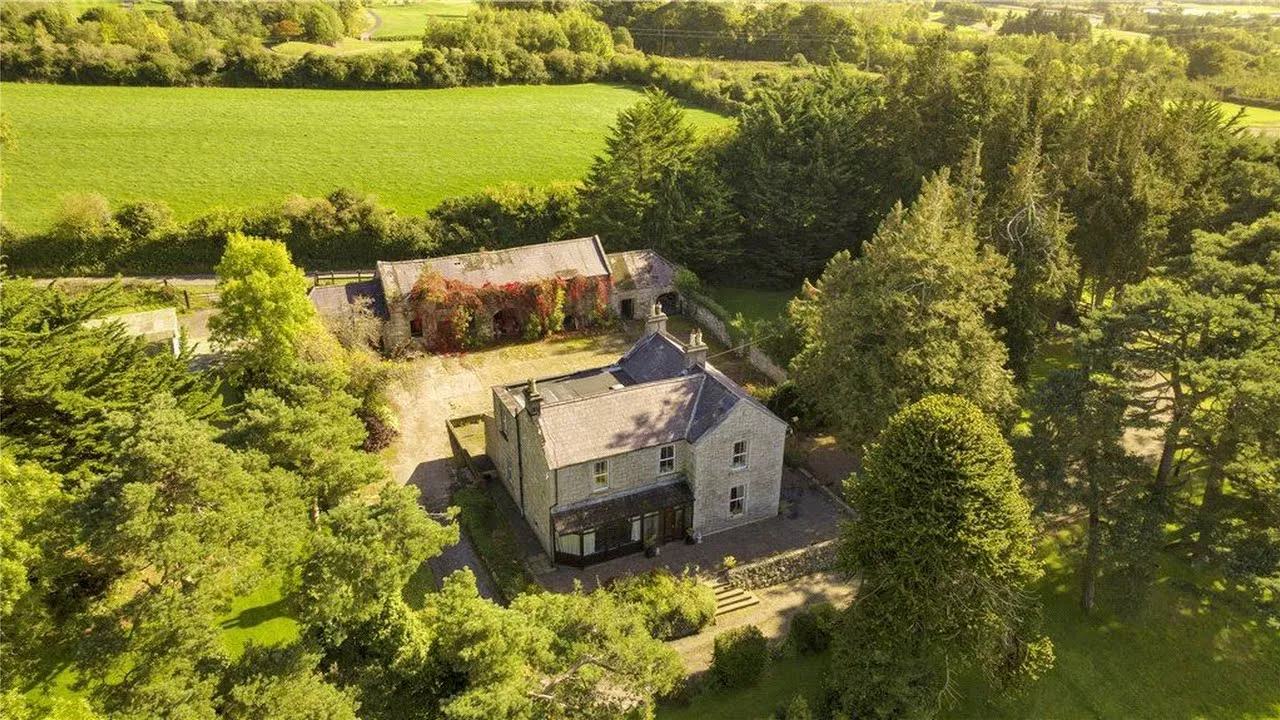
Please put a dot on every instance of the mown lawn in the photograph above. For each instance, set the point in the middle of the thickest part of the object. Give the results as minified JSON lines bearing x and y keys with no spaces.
{"x":1194,"y":654}
{"x":753,"y":304}
{"x":199,"y":148}
{"x":410,"y":18}
{"x":260,"y":617}
{"x":782,"y":681}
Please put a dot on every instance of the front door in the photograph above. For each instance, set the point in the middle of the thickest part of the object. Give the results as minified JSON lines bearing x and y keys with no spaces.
{"x":672,"y":524}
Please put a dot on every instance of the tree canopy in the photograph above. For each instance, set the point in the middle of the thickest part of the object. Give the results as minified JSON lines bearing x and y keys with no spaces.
{"x":942,"y":546}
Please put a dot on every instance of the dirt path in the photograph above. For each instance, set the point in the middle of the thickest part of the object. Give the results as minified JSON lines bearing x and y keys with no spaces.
{"x":377,"y":23}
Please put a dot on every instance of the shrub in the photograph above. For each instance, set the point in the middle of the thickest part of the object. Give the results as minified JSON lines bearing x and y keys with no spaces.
{"x":739,"y":657}
{"x":813,"y":628}
{"x":672,"y":606}
{"x":798,"y":709}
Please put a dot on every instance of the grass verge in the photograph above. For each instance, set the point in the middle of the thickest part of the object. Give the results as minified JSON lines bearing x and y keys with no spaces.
{"x":494,"y":539}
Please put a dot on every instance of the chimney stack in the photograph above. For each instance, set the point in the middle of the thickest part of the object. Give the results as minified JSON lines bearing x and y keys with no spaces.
{"x":695,"y":352}
{"x":533,"y":398}
{"x":657,"y":320}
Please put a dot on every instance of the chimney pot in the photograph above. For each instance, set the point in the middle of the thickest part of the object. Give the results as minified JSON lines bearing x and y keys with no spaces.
{"x":695,"y":353}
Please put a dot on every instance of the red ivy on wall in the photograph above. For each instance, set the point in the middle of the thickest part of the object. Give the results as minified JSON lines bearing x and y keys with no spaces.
{"x":538,"y":308}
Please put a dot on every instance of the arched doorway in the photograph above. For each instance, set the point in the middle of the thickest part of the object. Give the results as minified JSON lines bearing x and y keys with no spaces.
{"x":506,"y":324}
{"x":670,"y":303}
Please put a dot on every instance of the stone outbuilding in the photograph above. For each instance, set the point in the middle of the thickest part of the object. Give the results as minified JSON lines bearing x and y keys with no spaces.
{"x":158,"y":328}
{"x":475,"y":299}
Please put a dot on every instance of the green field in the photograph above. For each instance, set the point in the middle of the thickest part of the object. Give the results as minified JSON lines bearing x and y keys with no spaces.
{"x":1263,"y":121}
{"x":410,"y":18}
{"x":198,"y":148}
{"x":345,"y":46}
{"x":753,"y":304}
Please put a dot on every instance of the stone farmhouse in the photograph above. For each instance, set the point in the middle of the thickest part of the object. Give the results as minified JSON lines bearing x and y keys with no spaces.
{"x":476,"y":299}
{"x":660,"y":446}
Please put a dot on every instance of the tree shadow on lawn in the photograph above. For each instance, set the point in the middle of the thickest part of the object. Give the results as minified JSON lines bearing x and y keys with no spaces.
{"x":255,"y":616}
{"x":1197,"y":651}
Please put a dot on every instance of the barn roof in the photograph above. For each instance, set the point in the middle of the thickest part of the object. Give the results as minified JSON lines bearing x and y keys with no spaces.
{"x":581,"y":257}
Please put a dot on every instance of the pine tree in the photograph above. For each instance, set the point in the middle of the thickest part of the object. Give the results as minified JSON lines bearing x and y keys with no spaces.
{"x":657,"y":187}
{"x":906,"y":319}
{"x":1030,"y":229}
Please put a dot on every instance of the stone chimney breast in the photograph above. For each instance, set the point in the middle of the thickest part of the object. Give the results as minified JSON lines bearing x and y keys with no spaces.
{"x":657,"y":320}
{"x":695,"y":351}
{"x":533,"y":398}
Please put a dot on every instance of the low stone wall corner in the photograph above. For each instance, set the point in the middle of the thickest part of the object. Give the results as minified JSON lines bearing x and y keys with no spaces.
{"x":780,"y":568}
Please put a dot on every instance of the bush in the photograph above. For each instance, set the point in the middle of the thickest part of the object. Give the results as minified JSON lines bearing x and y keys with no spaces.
{"x":739,"y":658}
{"x":813,"y":628}
{"x":672,"y":606}
{"x":798,"y":709}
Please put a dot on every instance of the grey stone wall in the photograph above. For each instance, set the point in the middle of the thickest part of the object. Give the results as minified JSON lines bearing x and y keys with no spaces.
{"x":785,"y":566}
{"x":627,"y":470}
{"x":713,"y":477}
{"x":712,"y":325}
{"x":501,"y":448}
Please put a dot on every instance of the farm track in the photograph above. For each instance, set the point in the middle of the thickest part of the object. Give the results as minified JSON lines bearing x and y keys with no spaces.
{"x":377,"y":23}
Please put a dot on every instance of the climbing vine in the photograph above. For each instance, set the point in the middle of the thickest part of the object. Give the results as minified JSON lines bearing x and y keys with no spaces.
{"x":455,"y":315}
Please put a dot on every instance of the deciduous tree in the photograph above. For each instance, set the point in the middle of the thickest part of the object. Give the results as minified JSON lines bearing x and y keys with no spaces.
{"x":262,"y":306}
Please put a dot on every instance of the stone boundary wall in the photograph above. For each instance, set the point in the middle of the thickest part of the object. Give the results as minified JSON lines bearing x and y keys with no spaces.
{"x":785,"y":566}
{"x":713,"y":325}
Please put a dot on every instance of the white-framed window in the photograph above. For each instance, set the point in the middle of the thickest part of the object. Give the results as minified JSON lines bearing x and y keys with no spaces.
{"x":589,"y":542}
{"x":600,"y":471}
{"x":635,"y":529}
{"x":739,"y":459}
{"x":737,"y":499}
{"x":666,"y":459}
{"x":571,"y":544}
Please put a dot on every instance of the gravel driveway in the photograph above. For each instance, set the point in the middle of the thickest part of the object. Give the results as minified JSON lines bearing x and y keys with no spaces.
{"x":439,"y":387}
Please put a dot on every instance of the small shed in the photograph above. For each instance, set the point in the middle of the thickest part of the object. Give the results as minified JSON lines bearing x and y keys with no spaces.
{"x":157,"y":327}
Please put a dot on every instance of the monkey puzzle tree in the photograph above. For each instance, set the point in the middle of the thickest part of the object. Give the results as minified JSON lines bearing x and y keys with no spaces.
{"x":943,"y":547}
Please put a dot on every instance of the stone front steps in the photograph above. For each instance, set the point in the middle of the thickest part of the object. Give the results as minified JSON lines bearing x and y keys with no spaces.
{"x":730,"y":598}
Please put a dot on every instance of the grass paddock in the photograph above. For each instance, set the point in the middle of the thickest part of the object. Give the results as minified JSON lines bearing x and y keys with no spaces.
{"x":200,"y":148}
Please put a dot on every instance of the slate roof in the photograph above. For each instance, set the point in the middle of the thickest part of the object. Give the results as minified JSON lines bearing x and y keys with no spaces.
{"x":655,"y":357}
{"x":581,"y":257}
{"x":637,"y":269}
{"x":618,"y":421}
{"x":334,"y":299}
{"x":646,"y":399}
{"x":629,"y":503}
